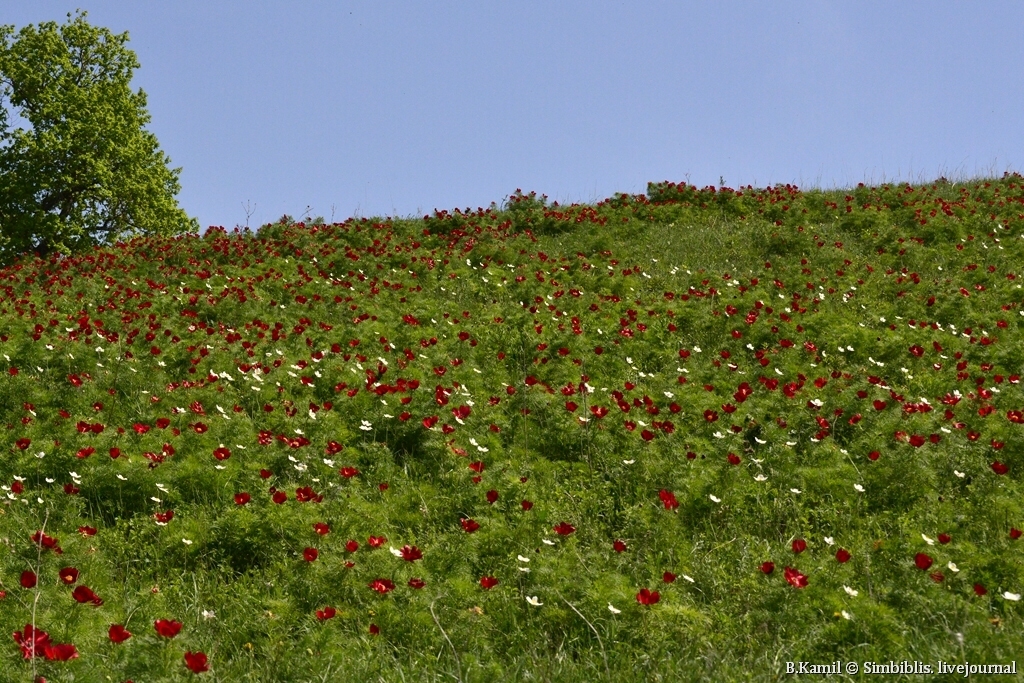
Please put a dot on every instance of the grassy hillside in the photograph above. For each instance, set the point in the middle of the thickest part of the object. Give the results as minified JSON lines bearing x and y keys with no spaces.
{"x":696,"y":433}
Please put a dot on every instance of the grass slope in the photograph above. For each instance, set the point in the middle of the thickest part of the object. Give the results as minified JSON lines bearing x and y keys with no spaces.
{"x":788,"y":421}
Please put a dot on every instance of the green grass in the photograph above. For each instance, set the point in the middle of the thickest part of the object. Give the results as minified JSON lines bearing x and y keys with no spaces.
{"x":729,"y":277}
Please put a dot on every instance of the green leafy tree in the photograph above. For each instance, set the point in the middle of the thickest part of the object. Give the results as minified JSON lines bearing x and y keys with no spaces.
{"x":77,"y":167}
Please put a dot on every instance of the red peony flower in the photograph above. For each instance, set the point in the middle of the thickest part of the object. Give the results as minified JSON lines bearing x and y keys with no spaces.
{"x":326,"y":613}
{"x":168,"y":628}
{"x":492,"y":496}
{"x":767,"y":567}
{"x":945,"y":538}
{"x":527,"y":505}
{"x":1015,"y":533}
{"x":352,"y":545}
{"x":922,"y":561}
{"x":795,"y":578}
{"x":376,"y":541}
{"x":799,"y":545}
{"x":60,"y":653}
{"x":668,"y":499}
{"x":382,"y":586}
{"x":488,"y":582}
{"x":999,"y":468}
{"x":33,"y":641}
{"x":28,"y":579}
{"x":310,"y":554}
{"x":668,"y":577}
{"x":348,"y":472}
{"x":843,"y":555}
{"x":563,"y":528}
{"x":68,"y":575}
{"x":321,"y":528}
{"x":118,"y":633}
{"x":416,"y":583}
{"x":196,"y":662}
{"x":469,"y":525}
{"x":221,"y":453}
{"x":411,"y":553}
{"x":980,"y":590}
{"x":619,"y":546}
{"x":647,"y":597}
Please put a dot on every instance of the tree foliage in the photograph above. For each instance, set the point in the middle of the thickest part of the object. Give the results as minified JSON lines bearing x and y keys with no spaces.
{"x":77,"y":167}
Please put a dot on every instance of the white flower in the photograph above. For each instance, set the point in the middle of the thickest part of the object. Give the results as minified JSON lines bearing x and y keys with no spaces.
{"x":524,"y":569}
{"x":952,"y":567}
{"x":122,"y":478}
{"x":209,"y":614}
{"x":859,"y":488}
{"x":522,"y":559}
{"x":547,"y":542}
{"x":688,"y":578}
{"x":154,"y":499}
{"x":846,"y":615}
{"x":760,"y":477}
{"x":628,"y":462}
{"x":959,"y":474}
{"x":851,"y":591}
{"x":533,"y":600}
{"x":718,"y":435}
{"x":186,"y":541}
{"x":396,"y":552}
{"x":797,"y":491}
{"x":829,"y":540}
{"x":1011,"y":596}
{"x":714,"y":498}
{"x":927,"y":540}
{"x":611,"y":608}
{"x":791,"y":443}
{"x":760,"y":441}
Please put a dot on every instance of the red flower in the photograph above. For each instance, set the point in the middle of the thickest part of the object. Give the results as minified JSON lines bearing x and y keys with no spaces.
{"x":916,"y":440}
{"x":647,"y":597}
{"x":980,"y":590}
{"x":416,"y":583}
{"x":33,"y":642}
{"x":873,"y":455}
{"x":469,"y":525}
{"x":922,"y":561}
{"x":168,"y":628}
{"x":321,"y":528}
{"x":945,"y":538}
{"x":668,"y":577}
{"x":221,"y":453}
{"x":668,"y":499}
{"x":280,"y":497}
{"x":999,"y":468}
{"x":28,"y":579}
{"x":619,"y":546}
{"x":196,"y":662}
{"x":843,"y":556}
{"x":352,"y":546}
{"x":326,"y":613}
{"x":310,"y":554}
{"x":115,"y":453}
{"x":374,"y":630}
{"x":799,"y":545}
{"x":937,"y":577}
{"x":382,"y":586}
{"x":411,"y":553}
{"x":477,"y":466}
{"x":68,"y":575}
{"x":266,"y":474}
{"x":87,"y":530}
{"x":734,"y":459}
{"x":23,"y":443}
{"x":767,"y":567}
{"x":242,"y":498}
{"x":164,"y":517}
{"x":488,"y":582}
{"x":118,"y":633}
{"x":795,"y":578}
{"x":1015,"y":533}
{"x":60,"y":653}
{"x":376,"y":541}
{"x":348,"y":472}
{"x":492,"y":496}
{"x":563,"y":528}
{"x":710,"y":415}
{"x":527,"y":505}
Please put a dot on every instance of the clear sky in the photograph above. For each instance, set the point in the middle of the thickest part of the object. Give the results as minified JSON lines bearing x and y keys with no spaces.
{"x":396,"y":108}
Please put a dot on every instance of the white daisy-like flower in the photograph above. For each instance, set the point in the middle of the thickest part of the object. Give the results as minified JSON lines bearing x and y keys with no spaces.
{"x":718,"y":435}
{"x":628,"y":462}
{"x":533,"y":600}
{"x":209,"y":614}
{"x":154,"y":499}
{"x":547,"y":542}
{"x":396,"y":552}
{"x":525,"y":570}
{"x":186,"y":541}
{"x":796,"y":491}
{"x":846,"y":615}
{"x":952,"y":567}
{"x":851,"y":591}
{"x":522,"y":559}
{"x":959,"y":474}
{"x":927,"y":540}
{"x":611,"y":608}
{"x":829,"y":540}
{"x":688,"y":578}
{"x":122,"y":477}
{"x":760,"y":441}
{"x":760,"y":477}
{"x":791,"y":443}
{"x":1011,"y":596}
{"x":714,"y":498}
{"x":329,"y":463}
{"x":859,"y":488}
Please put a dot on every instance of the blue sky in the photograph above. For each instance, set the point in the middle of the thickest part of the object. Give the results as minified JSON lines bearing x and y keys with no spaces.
{"x":397,"y":108}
